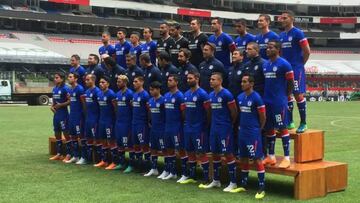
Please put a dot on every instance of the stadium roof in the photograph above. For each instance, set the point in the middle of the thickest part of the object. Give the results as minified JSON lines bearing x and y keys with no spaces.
{"x":335,"y":67}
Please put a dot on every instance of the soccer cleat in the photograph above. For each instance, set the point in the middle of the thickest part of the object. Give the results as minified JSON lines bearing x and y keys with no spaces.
{"x":118,"y":167}
{"x":67,"y":158}
{"x":285,"y":163}
{"x":260,"y":194}
{"x":203,"y":185}
{"x":183,"y":178}
{"x":56,"y":157}
{"x":170,"y":176}
{"x":82,"y":161}
{"x":213,"y":184}
{"x":152,"y":172}
{"x":129,"y":169}
{"x":111,"y":166}
{"x":100,"y":164}
{"x":302,"y":128}
{"x":72,"y":160}
{"x":230,"y":187}
{"x":269,"y":161}
{"x":188,"y":181}
{"x":163,"y":174}
{"x":239,"y":189}
{"x":291,"y":126}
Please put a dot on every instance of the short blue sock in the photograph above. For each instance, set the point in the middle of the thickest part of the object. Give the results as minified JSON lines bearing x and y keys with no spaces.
{"x":68,"y":146}
{"x":192,"y":169}
{"x":290,"y":111}
{"x":89,"y":156}
{"x":244,"y":177}
{"x":58,"y":146}
{"x":75,"y":150}
{"x":205,"y":168}
{"x":302,"y":111}
{"x":232,"y":172}
{"x":184,"y":169}
{"x":261,"y":179}
{"x":114,"y":155}
{"x":271,"y":144}
{"x":217,"y":166}
{"x":83,"y":148}
{"x":154,"y":162}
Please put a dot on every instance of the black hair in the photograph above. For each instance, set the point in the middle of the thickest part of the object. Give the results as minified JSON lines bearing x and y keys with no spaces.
{"x":155,"y":85}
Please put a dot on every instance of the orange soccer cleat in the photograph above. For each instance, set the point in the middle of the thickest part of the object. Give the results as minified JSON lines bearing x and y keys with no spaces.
{"x":67,"y":158}
{"x":111,"y":166}
{"x":101,"y":164}
{"x":269,"y":161}
{"x":285,"y":163}
{"x":57,"y":157}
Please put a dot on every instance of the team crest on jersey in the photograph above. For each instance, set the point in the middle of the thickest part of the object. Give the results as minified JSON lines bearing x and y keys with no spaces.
{"x":219,"y":99}
{"x":148,"y":48}
{"x":105,"y":98}
{"x":239,"y":72}
{"x":92,"y":72}
{"x":274,"y":68}
{"x":74,"y":94}
{"x":186,"y":72}
{"x":178,"y":46}
{"x":164,"y":44}
{"x":196,"y":41}
{"x":290,"y":38}
{"x":122,"y":48}
{"x":167,"y":74}
{"x":135,"y":52}
{"x":91,"y":95}
{"x":138,"y":99}
{"x":219,"y":43}
{"x":266,"y":40}
{"x":244,"y":43}
{"x":149,"y":75}
{"x":123,"y":98}
{"x":230,"y":73}
{"x":249,"y":103}
{"x":256,"y":67}
{"x":59,"y":92}
{"x":211,"y":67}
{"x":201,"y":67}
{"x":173,"y":100}
{"x":194,"y":98}
{"x":157,"y":105}
{"x":133,"y":74}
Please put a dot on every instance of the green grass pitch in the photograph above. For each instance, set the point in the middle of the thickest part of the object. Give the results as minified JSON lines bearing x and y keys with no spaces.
{"x":26,"y":174}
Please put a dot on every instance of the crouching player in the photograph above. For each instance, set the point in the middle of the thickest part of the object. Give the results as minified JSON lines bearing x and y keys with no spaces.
{"x":157,"y":119}
{"x":61,"y":115}
{"x":105,"y":142}
{"x":251,"y":121}
{"x":76,"y":117}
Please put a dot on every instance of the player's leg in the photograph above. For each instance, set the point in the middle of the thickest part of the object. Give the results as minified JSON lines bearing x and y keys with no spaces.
{"x":65,"y":130}
{"x":290,"y":112}
{"x":101,"y":146}
{"x":145,"y":149}
{"x":91,"y":133}
{"x":113,"y":149}
{"x":227,"y":143}
{"x":128,"y":144}
{"x":154,"y":148}
{"x":75,"y":132}
{"x":172,"y":142}
{"x":183,"y":156}
{"x":83,"y":140}
{"x":136,"y":149}
{"x":270,"y":134}
{"x":280,"y":124}
{"x":57,"y":134}
{"x":190,"y":151}
{"x":164,"y":144}
{"x":214,"y":148}
{"x":301,"y":101}
{"x":261,"y":179}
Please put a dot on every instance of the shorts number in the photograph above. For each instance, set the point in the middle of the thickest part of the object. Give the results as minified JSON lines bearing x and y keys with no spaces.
{"x":62,"y":124}
{"x":176,"y":141}
{"x":198,"y":141}
{"x":77,"y":129}
{"x":278,"y":119}
{"x":251,"y":150}
{"x":125,"y":140}
{"x":93,"y":132}
{"x":140,"y":137}
{"x":108,"y":132}
{"x":223,"y":142}
{"x":296,"y":85}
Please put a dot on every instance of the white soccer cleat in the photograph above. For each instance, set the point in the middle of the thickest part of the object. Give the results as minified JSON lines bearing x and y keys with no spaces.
{"x":82,"y":161}
{"x":170,"y":176}
{"x":163,"y":174}
{"x":72,"y":160}
{"x":230,"y":187}
{"x":183,"y":178}
{"x":152,"y":172}
{"x":213,"y":184}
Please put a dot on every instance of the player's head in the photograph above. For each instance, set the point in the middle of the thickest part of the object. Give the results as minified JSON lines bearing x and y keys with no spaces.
{"x":138,"y":82}
{"x":273,"y":48}
{"x":175,"y":30}
{"x":72,"y":78}
{"x":90,"y":80}
{"x":145,"y":60}
{"x":155,"y":88}
{"x":240,"y":26}
{"x":109,"y":62}
{"x":173,"y":81}
{"x":121,"y":34}
{"x":195,"y":25}
{"x":252,"y":50}
{"x":164,"y":29}
{"x":164,"y":59}
{"x":247,"y":82}
{"x":105,"y":37}
{"x":135,"y":37}
{"x":104,"y":83}
{"x":264,"y":21}
{"x":75,"y":60}
{"x":287,"y":18}
{"x":130,"y":60}
{"x":122,"y":81}
{"x":209,"y":50}
{"x":93,"y":59}
{"x":192,"y":78}
{"x":237,"y":56}
{"x":147,"y":33}
{"x":216,"y":80}
{"x":184,"y":55}
{"x":216,"y":24}
{"x":59,"y":78}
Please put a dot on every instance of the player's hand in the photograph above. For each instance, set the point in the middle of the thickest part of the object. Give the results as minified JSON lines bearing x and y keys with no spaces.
{"x":53,"y":109}
{"x":57,"y":106}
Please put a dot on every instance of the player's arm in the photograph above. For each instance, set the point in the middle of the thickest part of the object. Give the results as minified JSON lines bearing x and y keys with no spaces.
{"x":233,"y":110}
{"x":262,"y":115}
{"x":83,"y":102}
{"x":290,"y":82}
{"x":64,"y":104}
{"x":207,"y":107}
{"x":304,"y":44}
{"x":149,"y":114}
{"x":114,"y":103}
{"x":182,"y":110}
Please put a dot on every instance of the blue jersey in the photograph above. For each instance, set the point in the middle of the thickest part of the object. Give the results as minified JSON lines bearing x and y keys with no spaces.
{"x":124,"y":107}
{"x":262,"y":40}
{"x":223,"y":43}
{"x":80,"y":71}
{"x":157,"y":109}
{"x":137,"y":52}
{"x":276,"y":74}
{"x":242,"y":41}
{"x":109,"y":50}
{"x":220,"y":112}
{"x":150,"y":48}
{"x":140,"y":100}
{"x":76,"y":107}
{"x":196,"y":104}
{"x":174,"y":104}
{"x":60,"y":95}
{"x":249,"y":117}
{"x":121,"y":50}
{"x":105,"y":100}
{"x":92,"y":105}
{"x":291,"y":46}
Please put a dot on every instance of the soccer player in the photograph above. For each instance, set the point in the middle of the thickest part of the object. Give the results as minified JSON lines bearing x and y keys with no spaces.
{"x":135,"y":46}
{"x":107,"y":48}
{"x":266,"y":34}
{"x":61,"y":115}
{"x":209,"y":66}
{"x":223,"y":41}
{"x":133,"y":70}
{"x":77,"y":68}
{"x":76,"y":117}
{"x":122,"y":48}
{"x":180,"y":42}
{"x":150,"y":45}
{"x":112,"y":71}
{"x":167,"y":69}
{"x":296,"y":50}
{"x":123,"y":107}
{"x":223,"y":116}
{"x":196,"y":125}
{"x":244,"y":37}
{"x":105,"y":142}
{"x":91,"y":111}
{"x":235,"y":72}
{"x":185,"y":67}
{"x":252,"y":120}
{"x":279,"y":82}
{"x":140,"y":126}
{"x":173,"y":137}
{"x":157,"y":119}
{"x":166,"y":42}
{"x":94,"y":68}
{"x":196,"y":42}
{"x":151,"y":72}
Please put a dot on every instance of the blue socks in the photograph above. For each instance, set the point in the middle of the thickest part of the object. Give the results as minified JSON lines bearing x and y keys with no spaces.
{"x":302,"y":111}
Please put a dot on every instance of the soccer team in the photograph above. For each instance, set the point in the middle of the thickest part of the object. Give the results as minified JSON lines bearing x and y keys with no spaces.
{"x":185,"y":98}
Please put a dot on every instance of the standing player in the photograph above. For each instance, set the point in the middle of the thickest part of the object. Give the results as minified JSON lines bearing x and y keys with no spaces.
{"x":94,"y":68}
{"x":61,"y":115}
{"x":157,"y":119}
{"x":135,"y":46}
{"x":77,"y":68}
{"x":76,"y":117}
{"x":196,"y":42}
{"x":166,"y":42}
{"x":106,"y":139}
{"x":244,"y":37}
{"x":296,"y":50}
{"x":196,"y":125}
{"x":180,"y":42}
{"x":185,"y":67}
{"x":279,"y":82}
{"x":133,"y":70}
{"x":223,"y":116}
{"x":151,"y":72}
{"x":235,"y":72}
{"x":224,"y":43}
{"x":122,"y":48}
{"x":107,"y":48}
{"x":150,"y":45}
{"x":266,"y":34}
{"x":252,"y":120}
{"x":167,"y":69}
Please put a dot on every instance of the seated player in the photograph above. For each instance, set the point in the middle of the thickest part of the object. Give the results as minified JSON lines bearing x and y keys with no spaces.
{"x":157,"y":120}
{"x":76,"y":118}
{"x":223,"y":117}
{"x":61,"y":115}
{"x":105,"y":142}
{"x":251,"y":121}
{"x":196,"y":125}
